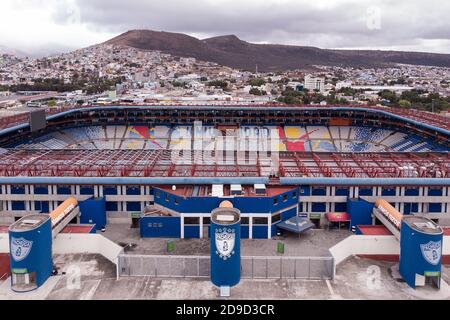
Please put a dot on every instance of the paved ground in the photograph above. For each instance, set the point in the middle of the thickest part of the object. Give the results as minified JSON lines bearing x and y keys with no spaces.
{"x":312,"y":243}
{"x":357,"y":278}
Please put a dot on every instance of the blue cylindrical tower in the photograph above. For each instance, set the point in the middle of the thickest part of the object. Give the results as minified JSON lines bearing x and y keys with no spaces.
{"x":30,"y":247}
{"x":421,"y":243}
{"x":225,"y":246}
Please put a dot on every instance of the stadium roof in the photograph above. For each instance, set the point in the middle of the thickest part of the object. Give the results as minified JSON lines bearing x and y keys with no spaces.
{"x":427,"y":118}
{"x":292,"y":166}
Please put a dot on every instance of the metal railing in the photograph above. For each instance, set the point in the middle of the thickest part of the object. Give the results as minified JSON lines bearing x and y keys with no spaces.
{"x":256,"y":267}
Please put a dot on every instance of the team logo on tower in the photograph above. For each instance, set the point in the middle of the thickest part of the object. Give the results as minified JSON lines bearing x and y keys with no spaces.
{"x":432,"y":251}
{"x":20,"y":248}
{"x":225,"y":239}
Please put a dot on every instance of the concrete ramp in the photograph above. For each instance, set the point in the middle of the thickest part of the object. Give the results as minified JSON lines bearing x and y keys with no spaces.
{"x":365,"y":245}
{"x":369,"y":245}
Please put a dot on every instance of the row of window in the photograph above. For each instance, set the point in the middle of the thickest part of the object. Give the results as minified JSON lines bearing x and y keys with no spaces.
{"x":136,"y":190}
{"x":285,"y":198}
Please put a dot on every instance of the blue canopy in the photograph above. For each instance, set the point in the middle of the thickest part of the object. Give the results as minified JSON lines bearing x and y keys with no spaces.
{"x":296,"y":224}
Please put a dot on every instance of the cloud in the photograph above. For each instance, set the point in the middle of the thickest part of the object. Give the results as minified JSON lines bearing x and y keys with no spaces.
{"x":384,"y":24}
{"x":325,"y":23}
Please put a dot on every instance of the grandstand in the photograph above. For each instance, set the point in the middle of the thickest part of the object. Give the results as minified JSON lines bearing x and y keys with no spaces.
{"x":291,"y":138}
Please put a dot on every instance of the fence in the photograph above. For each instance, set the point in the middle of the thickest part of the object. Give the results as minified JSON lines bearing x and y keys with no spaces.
{"x":258,"y":267}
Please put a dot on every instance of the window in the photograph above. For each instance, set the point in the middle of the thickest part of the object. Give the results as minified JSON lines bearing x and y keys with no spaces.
{"x":285,"y":197}
{"x":206,"y":220}
{"x":262,"y":220}
{"x":276,"y":217}
{"x":158,"y":194}
{"x":244,"y":220}
{"x":191,"y":220}
{"x":175,"y":200}
{"x":167,"y":198}
{"x":294,"y":194}
{"x":319,"y":191}
{"x":275,"y":201}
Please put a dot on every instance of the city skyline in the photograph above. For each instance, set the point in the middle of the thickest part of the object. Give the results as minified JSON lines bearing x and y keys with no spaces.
{"x":48,"y":26}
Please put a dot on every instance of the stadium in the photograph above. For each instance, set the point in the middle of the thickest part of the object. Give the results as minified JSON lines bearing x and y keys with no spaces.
{"x":171,"y":172}
{"x":324,"y":157}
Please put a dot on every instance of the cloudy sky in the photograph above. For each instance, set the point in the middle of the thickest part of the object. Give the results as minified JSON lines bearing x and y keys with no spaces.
{"x":48,"y":25}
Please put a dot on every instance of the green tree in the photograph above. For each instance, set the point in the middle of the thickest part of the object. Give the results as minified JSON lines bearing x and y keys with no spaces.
{"x":256,"y":82}
{"x":404,"y":103}
{"x":218,"y":84}
{"x":256,"y":92}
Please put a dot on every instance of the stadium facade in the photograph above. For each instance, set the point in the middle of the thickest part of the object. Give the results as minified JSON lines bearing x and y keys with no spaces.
{"x":271,"y":162}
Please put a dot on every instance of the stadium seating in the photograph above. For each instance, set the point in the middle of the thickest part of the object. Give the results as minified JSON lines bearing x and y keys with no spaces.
{"x":288,"y":138}
{"x":95,"y":132}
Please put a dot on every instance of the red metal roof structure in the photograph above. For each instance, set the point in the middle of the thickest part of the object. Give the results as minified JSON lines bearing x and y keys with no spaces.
{"x":158,"y":163}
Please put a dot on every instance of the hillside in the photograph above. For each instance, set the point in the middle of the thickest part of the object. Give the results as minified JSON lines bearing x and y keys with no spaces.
{"x":233,"y":52}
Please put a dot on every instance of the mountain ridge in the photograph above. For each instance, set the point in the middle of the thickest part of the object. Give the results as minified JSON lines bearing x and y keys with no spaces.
{"x":231,"y":51}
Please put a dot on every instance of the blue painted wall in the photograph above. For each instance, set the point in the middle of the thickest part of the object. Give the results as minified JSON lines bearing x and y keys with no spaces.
{"x":160,"y":227}
{"x":226,"y":271}
{"x":360,"y":212}
{"x":39,"y":257}
{"x":412,"y":255}
{"x":191,"y":231}
{"x":244,"y":204}
{"x":93,"y":211}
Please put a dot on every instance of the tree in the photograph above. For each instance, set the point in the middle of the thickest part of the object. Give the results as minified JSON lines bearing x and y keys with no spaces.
{"x":256,"y":82}
{"x":257,"y":92}
{"x":388,"y":95}
{"x":404,"y":103}
{"x":218,"y":84}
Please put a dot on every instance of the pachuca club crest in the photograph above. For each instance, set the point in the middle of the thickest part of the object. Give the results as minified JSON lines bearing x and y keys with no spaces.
{"x":225,"y":239}
{"x":432,"y":251}
{"x":20,"y":248}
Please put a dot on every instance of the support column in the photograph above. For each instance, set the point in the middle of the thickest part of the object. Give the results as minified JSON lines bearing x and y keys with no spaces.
{"x":119,"y":203}
{"x":201,"y":227}
{"x":9,"y":202}
{"x":124,"y":203}
{"x":27,"y":196}
{"x":32,"y":202}
{"x":182,"y":226}
{"x":55,"y":192}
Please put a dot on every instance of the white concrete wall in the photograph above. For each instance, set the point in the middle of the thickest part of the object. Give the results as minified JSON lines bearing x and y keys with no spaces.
{"x":362,"y":244}
{"x":446,"y":246}
{"x":86,"y":243}
{"x":4,"y":243}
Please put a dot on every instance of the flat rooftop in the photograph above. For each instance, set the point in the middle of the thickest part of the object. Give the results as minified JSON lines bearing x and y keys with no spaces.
{"x":422,"y":224}
{"x":206,"y":190}
{"x":29,"y":222}
{"x":314,"y":242}
{"x":377,"y":230}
